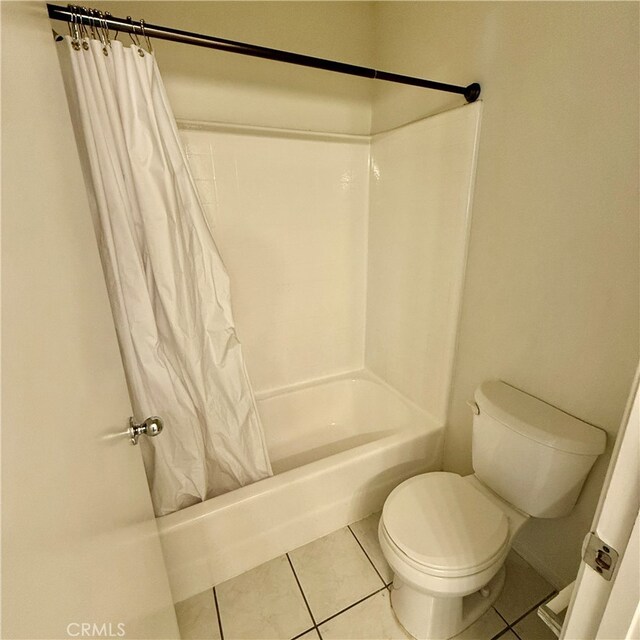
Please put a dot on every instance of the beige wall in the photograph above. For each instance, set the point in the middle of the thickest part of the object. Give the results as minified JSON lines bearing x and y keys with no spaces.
{"x":551,"y":297}
{"x":217,"y":86}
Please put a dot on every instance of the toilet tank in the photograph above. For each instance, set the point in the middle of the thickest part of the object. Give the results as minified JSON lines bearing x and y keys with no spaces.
{"x":531,"y":454}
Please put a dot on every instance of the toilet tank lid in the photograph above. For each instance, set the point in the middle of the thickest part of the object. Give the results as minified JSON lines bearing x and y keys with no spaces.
{"x":538,"y":420}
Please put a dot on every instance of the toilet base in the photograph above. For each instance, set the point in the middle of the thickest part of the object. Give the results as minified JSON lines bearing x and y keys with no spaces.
{"x":427,"y":617}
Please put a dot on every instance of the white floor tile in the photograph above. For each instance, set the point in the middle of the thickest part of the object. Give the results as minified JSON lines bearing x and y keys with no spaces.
{"x":264,"y":603}
{"x":532,"y":628}
{"x":372,"y":619}
{"x":367,"y":533}
{"x":197,"y":617}
{"x":486,"y":627}
{"x":310,"y":635}
{"x":334,"y":573}
{"x":523,"y":589}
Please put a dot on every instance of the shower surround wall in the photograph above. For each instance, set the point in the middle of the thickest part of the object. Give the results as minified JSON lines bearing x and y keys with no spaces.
{"x":421,"y":189}
{"x":331,"y":238}
{"x":289,"y":215}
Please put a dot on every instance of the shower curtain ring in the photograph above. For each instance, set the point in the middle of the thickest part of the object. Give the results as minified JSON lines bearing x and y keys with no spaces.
{"x":146,"y":37}
{"x":73,"y":27}
{"x":116,"y":31}
{"x":80,"y":30}
{"x":134,"y":36}
{"x":102,"y":33}
{"x":70,"y":23}
{"x":92,"y":27}
{"x":132,"y":33}
{"x":84,"y":33}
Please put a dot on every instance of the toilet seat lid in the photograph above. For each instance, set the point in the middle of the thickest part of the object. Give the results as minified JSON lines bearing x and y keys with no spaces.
{"x":442,"y":522}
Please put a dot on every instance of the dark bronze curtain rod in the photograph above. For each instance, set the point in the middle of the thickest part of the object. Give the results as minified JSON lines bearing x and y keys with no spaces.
{"x":98,"y":19}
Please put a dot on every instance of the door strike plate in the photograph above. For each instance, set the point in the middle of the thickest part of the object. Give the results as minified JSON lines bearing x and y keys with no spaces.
{"x":601,"y":557}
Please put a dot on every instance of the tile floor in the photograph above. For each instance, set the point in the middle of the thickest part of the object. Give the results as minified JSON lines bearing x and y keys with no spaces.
{"x":336,"y":588}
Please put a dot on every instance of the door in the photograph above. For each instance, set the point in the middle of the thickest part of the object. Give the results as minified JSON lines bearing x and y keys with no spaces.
{"x":602,"y":608}
{"x":80,"y":550}
{"x":620,"y":614}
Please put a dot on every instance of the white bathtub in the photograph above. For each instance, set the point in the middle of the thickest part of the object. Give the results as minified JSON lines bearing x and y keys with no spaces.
{"x":337,"y":448}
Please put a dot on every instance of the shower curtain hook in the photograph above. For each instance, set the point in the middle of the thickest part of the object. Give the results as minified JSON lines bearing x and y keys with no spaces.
{"x":73,"y":28}
{"x":132,"y":33}
{"x":70,"y":23}
{"x":92,"y":24}
{"x":146,"y":37}
{"x":105,"y":27}
{"x":77,"y":25}
{"x":84,"y":32}
{"x":87,"y":25}
{"x":140,"y":49}
{"x":136,"y":39}
{"x":104,"y":36}
{"x":116,"y":31}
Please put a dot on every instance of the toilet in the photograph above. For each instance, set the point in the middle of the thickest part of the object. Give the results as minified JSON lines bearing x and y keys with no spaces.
{"x":446,"y":536}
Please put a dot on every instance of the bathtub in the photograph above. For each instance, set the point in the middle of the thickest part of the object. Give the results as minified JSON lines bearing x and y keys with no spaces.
{"x":337,"y":448}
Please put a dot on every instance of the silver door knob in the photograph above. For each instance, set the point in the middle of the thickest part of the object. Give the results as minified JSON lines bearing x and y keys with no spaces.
{"x":152,"y":426}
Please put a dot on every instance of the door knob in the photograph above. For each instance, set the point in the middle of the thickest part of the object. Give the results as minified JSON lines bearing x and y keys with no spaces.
{"x":152,"y":426}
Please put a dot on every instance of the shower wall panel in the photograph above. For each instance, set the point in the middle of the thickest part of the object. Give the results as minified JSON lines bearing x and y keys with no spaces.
{"x":289,"y":215}
{"x":421,"y":187}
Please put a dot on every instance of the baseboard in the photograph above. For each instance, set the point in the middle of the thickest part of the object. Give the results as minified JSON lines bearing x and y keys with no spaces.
{"x":540,"y":566}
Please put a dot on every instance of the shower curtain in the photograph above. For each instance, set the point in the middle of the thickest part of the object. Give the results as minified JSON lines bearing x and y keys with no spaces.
{"x":167,"y":285}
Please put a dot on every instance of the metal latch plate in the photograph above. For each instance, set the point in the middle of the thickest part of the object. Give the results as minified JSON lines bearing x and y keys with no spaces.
{"x":601,"y":557}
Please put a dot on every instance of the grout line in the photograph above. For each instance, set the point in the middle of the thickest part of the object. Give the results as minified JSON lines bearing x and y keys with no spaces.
{"x":304,"y":632}
{"x":366,"y":554}
{"x":503,"y":618}
{"x":215,"y":599}
{"x":304,"y":597}
{"x":524,"y":615}
{"x":335,"y":615}
{"x":502,"y":631}
{"x":515,"y":633}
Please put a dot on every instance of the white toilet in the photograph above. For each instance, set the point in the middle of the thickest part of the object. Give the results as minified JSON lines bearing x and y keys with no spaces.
{"x":446,"y":536}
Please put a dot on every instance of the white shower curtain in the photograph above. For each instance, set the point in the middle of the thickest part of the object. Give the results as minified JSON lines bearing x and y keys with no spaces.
{"x":168,"y":288}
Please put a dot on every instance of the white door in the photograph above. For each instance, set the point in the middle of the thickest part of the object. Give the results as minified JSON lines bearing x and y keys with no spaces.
{"x":80,"y":549}
{"x":620,"y":618}
{"x":602,"y":608}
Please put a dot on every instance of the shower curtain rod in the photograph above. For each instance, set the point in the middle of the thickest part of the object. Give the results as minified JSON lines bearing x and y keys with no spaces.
{"x":98,"y":19}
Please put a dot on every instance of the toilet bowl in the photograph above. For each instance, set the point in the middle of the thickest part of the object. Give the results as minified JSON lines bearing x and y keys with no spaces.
{"x":446,"y":536}
{"x":446,"y":541}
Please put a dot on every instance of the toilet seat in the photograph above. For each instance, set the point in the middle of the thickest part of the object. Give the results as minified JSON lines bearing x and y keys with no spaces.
{"x":444,"y":526}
